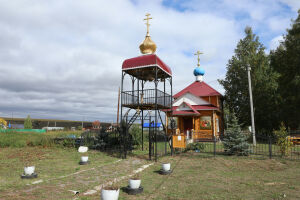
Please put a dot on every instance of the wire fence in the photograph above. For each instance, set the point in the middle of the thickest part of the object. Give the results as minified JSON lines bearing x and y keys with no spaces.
{"x":265,"y":147}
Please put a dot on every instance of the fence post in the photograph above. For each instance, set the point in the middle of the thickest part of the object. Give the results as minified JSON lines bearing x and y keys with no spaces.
{"x":270,"y":147}
{"x":214,"y":146}
{"x":172,"y":145}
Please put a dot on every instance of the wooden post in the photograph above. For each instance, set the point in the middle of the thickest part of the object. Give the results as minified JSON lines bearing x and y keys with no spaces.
{"x":118,"y":107}
{"x":213,"y":125}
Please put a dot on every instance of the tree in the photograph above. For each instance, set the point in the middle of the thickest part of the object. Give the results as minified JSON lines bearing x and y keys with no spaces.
{"x":250,"y":52}
{"x":282,"y":140}
{"x":235,"y":142}
{"x":28,"y":123}
{"x":285,"y":60}
{"x":3,"y":123}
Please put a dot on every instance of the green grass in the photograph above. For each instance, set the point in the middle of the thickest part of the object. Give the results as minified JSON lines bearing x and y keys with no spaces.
{"x":16,"y":139}
{"x":160,"y":149}
{"x":51,"y":164}
{"x":195,"y":175}
{"x":19,"y":139}
{"x":77,"y":133}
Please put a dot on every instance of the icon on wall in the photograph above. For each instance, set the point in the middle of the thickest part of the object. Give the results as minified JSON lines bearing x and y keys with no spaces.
{"x":205,"y":123}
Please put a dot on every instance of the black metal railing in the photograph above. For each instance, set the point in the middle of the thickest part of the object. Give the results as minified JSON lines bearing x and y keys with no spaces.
{"x":146,"y":97}
{"x":266,"y":147}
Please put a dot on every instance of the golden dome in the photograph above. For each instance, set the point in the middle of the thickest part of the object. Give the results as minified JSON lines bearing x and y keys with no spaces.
{"x":148,"y":46}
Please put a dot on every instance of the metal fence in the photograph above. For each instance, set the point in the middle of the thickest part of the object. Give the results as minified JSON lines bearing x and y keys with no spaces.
{"x":265,"y":147}
{"x":111,"y":142}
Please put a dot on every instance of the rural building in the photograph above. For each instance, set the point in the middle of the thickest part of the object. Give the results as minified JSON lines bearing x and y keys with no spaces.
{"x":197,"y":110}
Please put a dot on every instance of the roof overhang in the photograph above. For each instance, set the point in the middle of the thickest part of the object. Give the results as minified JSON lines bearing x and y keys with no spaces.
{"x":144,"y":67}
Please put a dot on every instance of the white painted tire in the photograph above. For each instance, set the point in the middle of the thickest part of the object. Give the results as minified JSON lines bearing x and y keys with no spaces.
{"x":83,"y":149}
{"x":29,"y":170}
{"x":134,"y":184}
{"x":166,"y":167}
{"x":84,"y":158}
{"x":110,"y":194}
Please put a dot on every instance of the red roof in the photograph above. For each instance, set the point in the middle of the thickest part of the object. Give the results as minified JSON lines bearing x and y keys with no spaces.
{"x":149,"y":60}
{"x":198,"y":89}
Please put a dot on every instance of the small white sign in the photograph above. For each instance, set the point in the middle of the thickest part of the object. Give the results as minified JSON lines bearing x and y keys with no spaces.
{"x":179,"y":138}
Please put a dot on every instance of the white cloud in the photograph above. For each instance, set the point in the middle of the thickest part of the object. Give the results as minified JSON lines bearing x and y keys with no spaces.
{"x":277,"y":24}
{"x":294,"y":4}
{"x":275,"y":42}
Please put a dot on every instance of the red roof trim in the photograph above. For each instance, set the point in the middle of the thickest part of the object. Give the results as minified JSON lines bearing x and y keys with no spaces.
{"x":191,"y":107}
{"x":198,"y":89}
{"x":146,"y":61}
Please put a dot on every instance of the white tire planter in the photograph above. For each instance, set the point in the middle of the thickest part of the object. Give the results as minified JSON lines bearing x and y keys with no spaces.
{"x":134,"y":183}
{"x":166,"y":167}
{"x":110,"y":194}
{"x":84,"y":159}
{"x":83,"y":149}
{"x":29,"y":170}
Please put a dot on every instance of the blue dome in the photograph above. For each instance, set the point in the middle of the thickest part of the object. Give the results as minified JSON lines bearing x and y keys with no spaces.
{"x":199,"y":71}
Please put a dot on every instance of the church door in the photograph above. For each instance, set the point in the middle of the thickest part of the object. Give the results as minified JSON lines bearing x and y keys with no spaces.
{"x":188,"y":125}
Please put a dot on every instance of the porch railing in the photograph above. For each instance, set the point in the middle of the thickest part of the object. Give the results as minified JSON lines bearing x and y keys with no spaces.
{"x":198,"y":135}
{"x":146,"y":97}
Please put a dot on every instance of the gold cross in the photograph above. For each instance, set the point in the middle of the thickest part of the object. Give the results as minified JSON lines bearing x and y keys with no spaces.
{"x":198,"y":53}
{"x":147,"y":23}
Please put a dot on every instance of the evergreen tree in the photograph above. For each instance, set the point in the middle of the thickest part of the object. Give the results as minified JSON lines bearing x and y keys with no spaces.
{"x":28,"y":123}
{"x":250,"y":52}
{"x":286,"y":61}
{"x":235,"y":142}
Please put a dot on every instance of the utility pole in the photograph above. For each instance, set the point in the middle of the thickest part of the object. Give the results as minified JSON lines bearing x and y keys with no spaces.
{"x":251,"y":105}
{"x":82,"y":123}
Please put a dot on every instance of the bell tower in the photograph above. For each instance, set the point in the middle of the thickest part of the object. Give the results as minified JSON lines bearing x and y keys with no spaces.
{"x":150,"y":80}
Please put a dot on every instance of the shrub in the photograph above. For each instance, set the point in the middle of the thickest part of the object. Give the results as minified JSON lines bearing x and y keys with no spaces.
{"x":282,"y":140}
{"x":235,"y":142}
{"x":195,"y":146}
{"x":136,"y":133}
{"x":28,"y":123}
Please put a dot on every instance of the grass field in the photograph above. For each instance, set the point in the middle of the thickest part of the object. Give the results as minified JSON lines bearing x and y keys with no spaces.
{"x":195,"y":176}
{"x":19,"y":139}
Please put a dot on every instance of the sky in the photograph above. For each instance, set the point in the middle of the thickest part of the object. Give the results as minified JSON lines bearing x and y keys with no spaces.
{"x":61,"y":59}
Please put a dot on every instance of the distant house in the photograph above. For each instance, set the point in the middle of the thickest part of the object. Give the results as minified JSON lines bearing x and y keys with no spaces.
{"x":53,"y":128}
{"x":96,"y":124}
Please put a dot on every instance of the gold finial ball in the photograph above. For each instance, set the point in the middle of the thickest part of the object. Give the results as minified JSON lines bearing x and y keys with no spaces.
{"x":148,"y":46}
